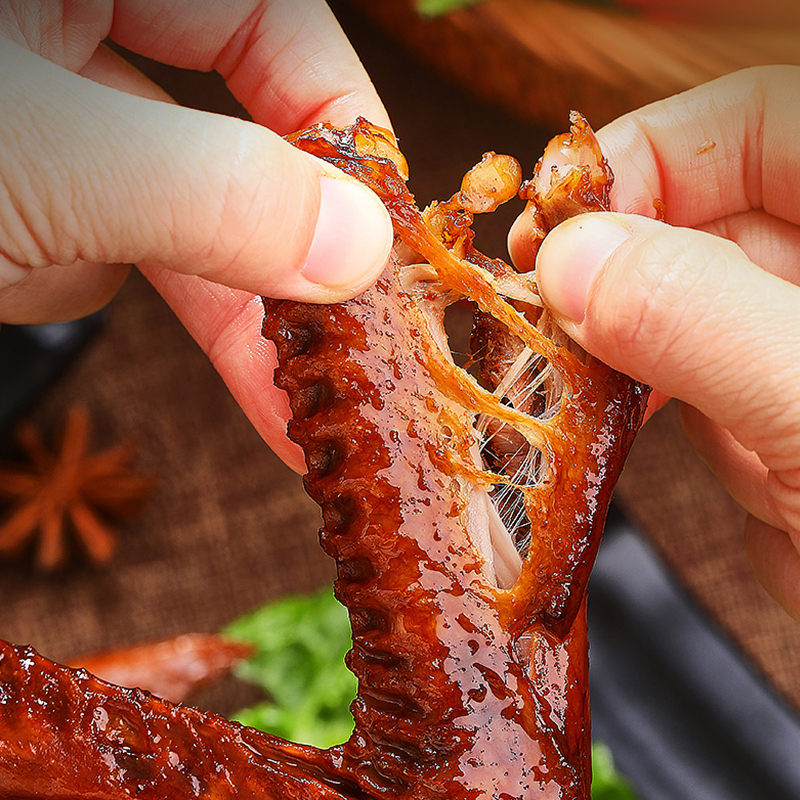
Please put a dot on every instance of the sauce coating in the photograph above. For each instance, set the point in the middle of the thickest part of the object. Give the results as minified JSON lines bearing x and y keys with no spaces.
{"x":463,"y":505}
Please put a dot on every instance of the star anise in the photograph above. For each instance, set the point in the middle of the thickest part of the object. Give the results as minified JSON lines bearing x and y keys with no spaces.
{"x":67,"y":489}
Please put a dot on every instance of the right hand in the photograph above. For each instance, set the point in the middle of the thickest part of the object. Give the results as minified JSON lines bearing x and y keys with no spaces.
{"x":705,"y":309}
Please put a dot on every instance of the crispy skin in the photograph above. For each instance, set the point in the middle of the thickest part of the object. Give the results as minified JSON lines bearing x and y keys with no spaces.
{"x":469,"y":631}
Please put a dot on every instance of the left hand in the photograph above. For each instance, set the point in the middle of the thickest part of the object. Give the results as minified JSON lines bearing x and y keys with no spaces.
{"x":212,"y":209}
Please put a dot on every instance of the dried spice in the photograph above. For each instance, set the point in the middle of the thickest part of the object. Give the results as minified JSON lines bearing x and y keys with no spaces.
{"x":66,"y":490}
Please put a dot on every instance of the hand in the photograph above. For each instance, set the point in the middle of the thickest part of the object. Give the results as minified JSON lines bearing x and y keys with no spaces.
{"x":707,"y":308}
{"x":98,"y":171}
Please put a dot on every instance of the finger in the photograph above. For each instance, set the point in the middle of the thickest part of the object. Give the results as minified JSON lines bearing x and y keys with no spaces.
{"x":655,"y":402}
{"x":774,"y":557}
{"x":69,"y":292}
{"x":772,"y":243}
{"x":689,"y":314}
{"x":226,"y":323}
{"x":194,"y":192}
{"x":711,"y":154}
{"x":739,"y":470}
{"x":722,"y":148}
{"x":61,"y":293}
{"x":110,"y":69}
{"x":287,"y":61}
{"x":768,"y":241}
{"x":66,"y":33}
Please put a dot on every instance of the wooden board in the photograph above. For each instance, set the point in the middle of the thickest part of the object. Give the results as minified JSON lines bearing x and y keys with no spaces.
{"x":541,"y":58}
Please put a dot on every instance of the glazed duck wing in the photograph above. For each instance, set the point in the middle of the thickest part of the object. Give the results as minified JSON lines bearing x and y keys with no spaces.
{"x":463,"y":506}
{"x":463,"y":499}
{"x":65,"y":734}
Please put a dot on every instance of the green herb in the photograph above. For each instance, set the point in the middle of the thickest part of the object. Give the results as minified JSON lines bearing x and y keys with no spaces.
{"x":300,"y":644}
{"x":607,"y":782}
{"x":435,"y":8}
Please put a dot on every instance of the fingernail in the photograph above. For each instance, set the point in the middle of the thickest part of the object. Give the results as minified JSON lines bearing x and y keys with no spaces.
{"x":571,"y":257}
{"x":353,"y":236}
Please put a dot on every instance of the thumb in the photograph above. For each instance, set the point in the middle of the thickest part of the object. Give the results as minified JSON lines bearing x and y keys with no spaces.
{"x":688,"y":313}
{"x":93,"y":174}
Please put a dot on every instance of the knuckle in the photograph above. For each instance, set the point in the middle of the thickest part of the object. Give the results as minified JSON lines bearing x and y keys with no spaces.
{"x":660,"y":302}
{"x":261,"y":216}
{"x":784,"y":491}
{"x":27,"y":238}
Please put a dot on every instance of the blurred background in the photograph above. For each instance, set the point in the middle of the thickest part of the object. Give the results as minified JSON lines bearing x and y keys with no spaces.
{"x":228,"y":527}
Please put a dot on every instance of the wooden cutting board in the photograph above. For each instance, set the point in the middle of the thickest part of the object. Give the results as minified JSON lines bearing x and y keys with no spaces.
{"x":541,"y":58}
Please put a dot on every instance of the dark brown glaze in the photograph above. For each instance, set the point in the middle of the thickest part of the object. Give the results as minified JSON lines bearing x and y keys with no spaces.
{"x":469,"y":634}
{"x":466,"y":689}
{"x":66,"y":734}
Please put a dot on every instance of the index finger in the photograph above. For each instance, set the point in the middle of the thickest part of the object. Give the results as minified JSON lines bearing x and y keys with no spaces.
{"x":728,"y":146}
{"x":288,"y":62}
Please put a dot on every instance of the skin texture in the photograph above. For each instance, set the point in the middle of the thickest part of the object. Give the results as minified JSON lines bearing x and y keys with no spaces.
{"x":471,"y":652}
{"x":212,"y":209}
{"x":705,"y":307}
